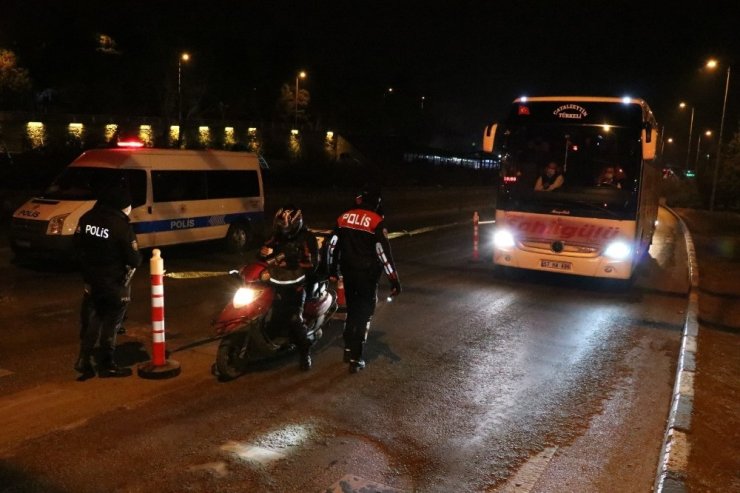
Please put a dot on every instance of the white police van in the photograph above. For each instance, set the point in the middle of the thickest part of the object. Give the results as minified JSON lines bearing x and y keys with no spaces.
{"x":179,"y":196}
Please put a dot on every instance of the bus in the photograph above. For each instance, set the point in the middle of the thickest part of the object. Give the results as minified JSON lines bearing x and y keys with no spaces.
{"x":579,"y":186}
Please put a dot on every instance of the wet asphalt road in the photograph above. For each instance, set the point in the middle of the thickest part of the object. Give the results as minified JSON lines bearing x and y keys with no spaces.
{"x":475,"y":382}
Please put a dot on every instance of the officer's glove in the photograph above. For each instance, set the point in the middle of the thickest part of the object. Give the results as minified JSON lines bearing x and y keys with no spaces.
{"x":395,"y":286}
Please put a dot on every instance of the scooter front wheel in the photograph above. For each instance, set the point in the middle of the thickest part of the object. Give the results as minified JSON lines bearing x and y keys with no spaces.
{"x":231,"y":358}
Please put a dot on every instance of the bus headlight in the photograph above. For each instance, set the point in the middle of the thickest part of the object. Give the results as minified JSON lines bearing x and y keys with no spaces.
{"x":503,"y":238}
{"x":618,"y":250}
{"x":56,"y":225}
{"x":243,"y":297}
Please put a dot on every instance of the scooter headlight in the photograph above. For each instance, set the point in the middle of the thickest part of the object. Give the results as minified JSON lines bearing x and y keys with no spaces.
{"x":243,"y":297}
{"x":503,"y":238}
{"x":618,"y":250}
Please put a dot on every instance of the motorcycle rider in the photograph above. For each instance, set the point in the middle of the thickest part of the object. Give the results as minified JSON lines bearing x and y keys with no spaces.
{"x":297,"y":254}
{"x":109,"y":254}
{"x":360,"y":251}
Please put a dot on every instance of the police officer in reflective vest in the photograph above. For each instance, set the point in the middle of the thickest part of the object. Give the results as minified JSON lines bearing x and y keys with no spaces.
{"x":359,"y":250}
{"x":109,"y":254}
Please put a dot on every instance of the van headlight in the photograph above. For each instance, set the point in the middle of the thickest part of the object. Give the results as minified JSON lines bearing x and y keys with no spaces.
{"x":243,"y":297}
{"x":618,"y":250}
{"x":56,"y":225}
{"x":503,"y":238}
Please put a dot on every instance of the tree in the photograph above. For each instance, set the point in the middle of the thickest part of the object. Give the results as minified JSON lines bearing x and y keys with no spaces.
{"x":286,"y":105}
{"x":14,"y":81}
{"x":728,"y":179}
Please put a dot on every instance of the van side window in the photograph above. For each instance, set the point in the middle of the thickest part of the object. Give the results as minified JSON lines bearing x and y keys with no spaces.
{"x":175,"y":186}
{"x":228,"y":184}
{"x":136,"y":179}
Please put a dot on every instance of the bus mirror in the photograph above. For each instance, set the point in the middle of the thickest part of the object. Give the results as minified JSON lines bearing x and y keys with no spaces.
{"x":647,"y":134}
{"x":489,"y":133}
{"x":649,"y":143}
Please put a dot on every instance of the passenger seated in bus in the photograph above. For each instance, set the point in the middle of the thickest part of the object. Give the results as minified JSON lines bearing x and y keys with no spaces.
{"x":608,"y":178}
{"x":550,"y":179}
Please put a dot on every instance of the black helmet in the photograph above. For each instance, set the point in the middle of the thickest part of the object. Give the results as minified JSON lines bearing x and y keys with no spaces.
{"x":288,"y":221}
{"x":369,"y":198}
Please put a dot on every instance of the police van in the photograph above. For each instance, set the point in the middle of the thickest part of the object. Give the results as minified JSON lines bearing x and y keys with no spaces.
{"x":178,"y":196}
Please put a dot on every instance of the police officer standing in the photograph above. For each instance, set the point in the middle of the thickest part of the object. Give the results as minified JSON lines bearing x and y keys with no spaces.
{"x":109,"y":254}
{"x":360,"y":251}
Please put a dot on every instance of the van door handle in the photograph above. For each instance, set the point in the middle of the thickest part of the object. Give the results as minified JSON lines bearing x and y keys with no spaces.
{"x":149,"y":209}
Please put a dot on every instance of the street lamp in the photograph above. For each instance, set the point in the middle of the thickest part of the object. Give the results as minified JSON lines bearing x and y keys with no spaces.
{"x":708,"y":133}
{"x":184,"y":57}
{"x":301,"y":75}
{"x":691,"y":128}
{"x":711,"y":64}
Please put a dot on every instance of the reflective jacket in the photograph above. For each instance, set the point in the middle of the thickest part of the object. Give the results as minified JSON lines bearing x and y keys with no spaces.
{"x":359,"y":242}
{"x":107,"y":249}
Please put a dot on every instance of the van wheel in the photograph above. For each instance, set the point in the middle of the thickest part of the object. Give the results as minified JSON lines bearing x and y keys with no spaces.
{"x":237,"y":238}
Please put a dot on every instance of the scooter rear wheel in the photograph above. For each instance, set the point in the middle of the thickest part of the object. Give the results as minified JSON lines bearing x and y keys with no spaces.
{"x":231,"y":358}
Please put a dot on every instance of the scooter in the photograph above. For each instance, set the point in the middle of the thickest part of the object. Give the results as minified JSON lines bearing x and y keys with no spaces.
{"x":244,"y":324}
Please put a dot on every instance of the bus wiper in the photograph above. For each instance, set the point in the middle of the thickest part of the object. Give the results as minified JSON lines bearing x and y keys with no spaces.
{"x":565,"y":205}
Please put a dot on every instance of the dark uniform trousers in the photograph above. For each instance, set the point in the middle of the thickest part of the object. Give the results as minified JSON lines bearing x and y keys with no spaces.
{"x":101,"y":314}
{"x":361,"y":293}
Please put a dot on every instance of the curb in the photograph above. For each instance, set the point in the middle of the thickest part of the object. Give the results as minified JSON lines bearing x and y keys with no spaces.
{"x":672,"y":468}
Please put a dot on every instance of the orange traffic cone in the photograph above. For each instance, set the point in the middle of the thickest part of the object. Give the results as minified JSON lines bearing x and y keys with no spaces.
{"x":341,"y":300}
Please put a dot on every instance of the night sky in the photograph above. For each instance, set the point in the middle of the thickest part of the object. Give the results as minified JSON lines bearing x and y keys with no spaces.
{"x":469,"y":59}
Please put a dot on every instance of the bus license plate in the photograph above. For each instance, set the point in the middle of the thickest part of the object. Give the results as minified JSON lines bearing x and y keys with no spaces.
{"x":555,"y":264}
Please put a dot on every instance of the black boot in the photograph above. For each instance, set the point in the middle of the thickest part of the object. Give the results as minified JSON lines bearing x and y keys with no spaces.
{"x":112,"y":370}
{"x":356,"y":365}
{"x":347,"y":355}
{"x":83,"y":365}
{"x":305,"y":360}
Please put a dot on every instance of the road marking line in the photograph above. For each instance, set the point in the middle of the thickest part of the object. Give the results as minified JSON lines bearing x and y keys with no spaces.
{"x":527,"y":476}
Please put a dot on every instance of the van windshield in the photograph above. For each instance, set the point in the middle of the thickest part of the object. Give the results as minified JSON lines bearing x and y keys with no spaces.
{"x":85,"y":183}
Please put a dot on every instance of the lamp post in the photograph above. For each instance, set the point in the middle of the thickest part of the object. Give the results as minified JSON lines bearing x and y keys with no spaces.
{"x":301,"y":75}
{"x":708,"y":133}
{"x":712,"y":64}
{"x":184,"y":57}
{"x":691,"y":128}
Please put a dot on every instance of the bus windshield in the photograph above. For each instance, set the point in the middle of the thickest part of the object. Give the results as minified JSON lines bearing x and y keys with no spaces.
{"x":580,"y":169}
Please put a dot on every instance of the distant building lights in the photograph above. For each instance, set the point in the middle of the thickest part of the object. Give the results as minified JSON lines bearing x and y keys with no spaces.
{"x":204,"y":135}
{"x":174,"y":135}
{"x":606,"y":127}
{"x":75,"y":130}
{"x":110,"y":131}
{"x":294,"y":131}
{"x":252,"y":130}
{"x":229,"y":136}
{"x":146,"y":135}
{"x":329,"y":135}
{"x":36,"y":134}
